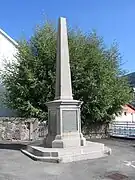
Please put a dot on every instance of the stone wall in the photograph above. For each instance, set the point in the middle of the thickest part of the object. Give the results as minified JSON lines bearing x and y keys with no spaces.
{"x":18,"y":129}
{"x":30,"y":129}
{"x":96,"y":131}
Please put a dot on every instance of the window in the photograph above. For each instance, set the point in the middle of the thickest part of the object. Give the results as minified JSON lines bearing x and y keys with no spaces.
{"x":125,"y":113}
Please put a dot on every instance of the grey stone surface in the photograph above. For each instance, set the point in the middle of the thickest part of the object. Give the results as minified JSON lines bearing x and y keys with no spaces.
{"x":16,"y":166}
{"x":63,"y":88}
{"x":70,"y":121}
{"x":91,"y":150}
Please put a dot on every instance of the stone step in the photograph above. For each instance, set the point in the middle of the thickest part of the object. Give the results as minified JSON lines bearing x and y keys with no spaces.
{"x":90,"y":151}
{"x":41,"y":158}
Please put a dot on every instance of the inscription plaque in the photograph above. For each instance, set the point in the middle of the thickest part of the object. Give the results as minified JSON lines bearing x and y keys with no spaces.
{"x":69,"y":120}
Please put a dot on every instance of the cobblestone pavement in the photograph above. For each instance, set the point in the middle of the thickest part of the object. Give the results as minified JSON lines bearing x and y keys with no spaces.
{"x":16,"y":166}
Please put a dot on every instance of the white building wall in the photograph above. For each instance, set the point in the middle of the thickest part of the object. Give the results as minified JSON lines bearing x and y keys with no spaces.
{"x":128,"y":117}
{"x":7,"y":50}
{"x":7,"y":53}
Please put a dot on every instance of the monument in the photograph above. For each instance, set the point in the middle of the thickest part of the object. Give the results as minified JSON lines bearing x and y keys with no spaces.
{"x":65,"y":142}
{"x":64,"y":112}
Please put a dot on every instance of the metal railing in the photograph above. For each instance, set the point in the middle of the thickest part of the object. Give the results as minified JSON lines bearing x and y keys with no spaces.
{"x":122,"y":129}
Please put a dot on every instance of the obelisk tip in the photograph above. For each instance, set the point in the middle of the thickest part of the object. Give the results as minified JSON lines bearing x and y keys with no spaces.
{"x":62,"y":18}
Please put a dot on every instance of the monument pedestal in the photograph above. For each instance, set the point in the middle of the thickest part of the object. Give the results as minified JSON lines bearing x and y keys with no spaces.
{"x":65,"y":142}
{"x":64,"y":124}
{"x":69,"y":140}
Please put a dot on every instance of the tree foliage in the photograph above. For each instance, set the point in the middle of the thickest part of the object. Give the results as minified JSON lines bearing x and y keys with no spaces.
{"x":96,"y":76}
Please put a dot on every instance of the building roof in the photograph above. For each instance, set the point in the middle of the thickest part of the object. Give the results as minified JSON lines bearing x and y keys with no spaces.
{"x":129,"y":108}
{"x":8,"y":37}
{"x":132,"y":107}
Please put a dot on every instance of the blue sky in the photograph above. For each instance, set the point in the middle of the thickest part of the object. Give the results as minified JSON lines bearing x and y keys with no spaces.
{"x":112,"y":19}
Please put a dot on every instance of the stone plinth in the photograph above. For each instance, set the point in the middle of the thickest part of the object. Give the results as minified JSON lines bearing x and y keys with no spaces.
{"x":64,"y":155}
{"x":64,"y":124}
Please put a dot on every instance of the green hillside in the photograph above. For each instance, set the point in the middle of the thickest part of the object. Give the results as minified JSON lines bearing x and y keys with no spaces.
{"x":131,"y":78}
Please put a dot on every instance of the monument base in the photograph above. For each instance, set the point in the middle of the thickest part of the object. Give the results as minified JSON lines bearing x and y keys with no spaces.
{"x":63,"y":155}
{"x":68,"y":140}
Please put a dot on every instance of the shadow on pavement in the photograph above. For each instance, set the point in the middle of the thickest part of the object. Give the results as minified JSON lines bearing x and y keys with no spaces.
{"x":20,"y":144}
{"x":12,"y":146}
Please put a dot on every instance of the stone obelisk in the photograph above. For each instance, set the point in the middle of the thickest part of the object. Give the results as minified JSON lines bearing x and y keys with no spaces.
{"x":64,"y":124}
{"x":63,"y":88}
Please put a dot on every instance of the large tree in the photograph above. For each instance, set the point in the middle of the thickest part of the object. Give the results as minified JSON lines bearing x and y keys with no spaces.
{"x":97,"y":78}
